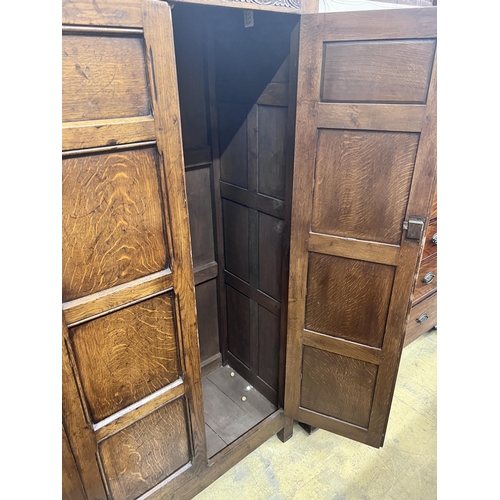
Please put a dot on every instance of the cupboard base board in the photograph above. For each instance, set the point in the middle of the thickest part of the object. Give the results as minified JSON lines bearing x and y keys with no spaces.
{"x":232,"y":454}
{"x":211,"y":364}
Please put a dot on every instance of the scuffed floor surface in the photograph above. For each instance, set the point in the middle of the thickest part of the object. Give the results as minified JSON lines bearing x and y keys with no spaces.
{"x":326,"y":466}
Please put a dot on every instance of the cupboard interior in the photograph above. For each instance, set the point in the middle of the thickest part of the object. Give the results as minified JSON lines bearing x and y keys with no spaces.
{"x":234,"y":100}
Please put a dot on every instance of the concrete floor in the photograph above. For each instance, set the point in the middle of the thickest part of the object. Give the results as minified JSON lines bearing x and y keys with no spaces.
{"x":325,"y":466}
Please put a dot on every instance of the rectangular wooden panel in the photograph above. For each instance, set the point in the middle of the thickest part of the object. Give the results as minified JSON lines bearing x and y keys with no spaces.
{"x":190,"y":39}
{"x":233,"y":144}
{"x":236,"y":227}
{"x":143,"y":454}
{"x":348,"y":298}
{"x":238,"y":324}
{"x":102,"y":12}
{"x":349,"y":398}
{"x":269,"y":347}
{"x":112,"y":220}
{"x":208,"y":324}
{"x":362,"y":183}
{"x":126,"y":355}
{"x":103,"y":77}
{"x":198,"y":187}
{"x":270,"y":254}
{"x":271,"y":148}
{"x":377,"y":71}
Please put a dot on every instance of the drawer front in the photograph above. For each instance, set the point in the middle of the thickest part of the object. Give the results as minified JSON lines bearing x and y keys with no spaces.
{"x":423,"y":317}
{"x":427,"y":278}
{"x":430,"y":246}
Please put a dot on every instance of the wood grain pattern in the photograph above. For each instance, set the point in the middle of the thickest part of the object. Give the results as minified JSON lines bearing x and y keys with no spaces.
{"x":348,"y":298}
{"x":102,"y":12}
{"x":103,"y":77}
{"x":354,"y":249}
{"x":380,"y":24}
{"x":118,"y":421}
{"x":404,"y":118}
{"x":77,"y":425}
{"x":362,"y":183}
{"x":126,"y":355}
{"x":72,"y":488}
{"x":411,"y":194}
{"x":113,"y":227}
{"x":97,"y":133}
{"x":96,"y":304}
{"x":349,"y":398}
{"x":148,"y":451}
{"x":377,"y":71}
{"x":344,"y":347}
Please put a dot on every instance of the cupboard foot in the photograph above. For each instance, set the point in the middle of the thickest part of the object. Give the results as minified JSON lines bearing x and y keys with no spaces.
{"x":287,"y":432}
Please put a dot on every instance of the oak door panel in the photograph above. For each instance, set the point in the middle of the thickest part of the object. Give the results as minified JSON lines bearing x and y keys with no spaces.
{"x":350,"y":398}
{"x":113,"y":221}
{"x":377,"y":71}
{"x":132,"y":403}
{"x":146,"y":452}
{"x":361,"y":170}
{"x":126,"y":355}
{"x":348,"y":298}
{"x":104,"y":77}
{"x":362,"y":183}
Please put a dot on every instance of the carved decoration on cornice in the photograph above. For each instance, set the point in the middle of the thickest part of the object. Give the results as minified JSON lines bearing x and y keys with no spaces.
{"x":290,"y":4}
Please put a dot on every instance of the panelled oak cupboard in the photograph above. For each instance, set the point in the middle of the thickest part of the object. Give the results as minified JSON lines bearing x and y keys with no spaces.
{"x":247,"y":186}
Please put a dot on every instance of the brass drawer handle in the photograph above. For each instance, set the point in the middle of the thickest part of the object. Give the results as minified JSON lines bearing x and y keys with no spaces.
{"x":423,"y":318}
{"x":434,"y":239}
{"x":428,"y":278}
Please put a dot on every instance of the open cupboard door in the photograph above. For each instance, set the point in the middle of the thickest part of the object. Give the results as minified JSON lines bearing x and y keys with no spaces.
{"x":132,"y":402}
{"x":364,"y":167}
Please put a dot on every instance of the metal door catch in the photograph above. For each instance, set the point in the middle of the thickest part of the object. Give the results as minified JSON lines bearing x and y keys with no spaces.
{"x":414,"y":228}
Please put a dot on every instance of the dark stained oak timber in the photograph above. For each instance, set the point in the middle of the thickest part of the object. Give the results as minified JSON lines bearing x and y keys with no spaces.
{"x":352,"y":268}
{"x":370,"y":116}
{"x":257,"y":201}
{"x":355,"y":249}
